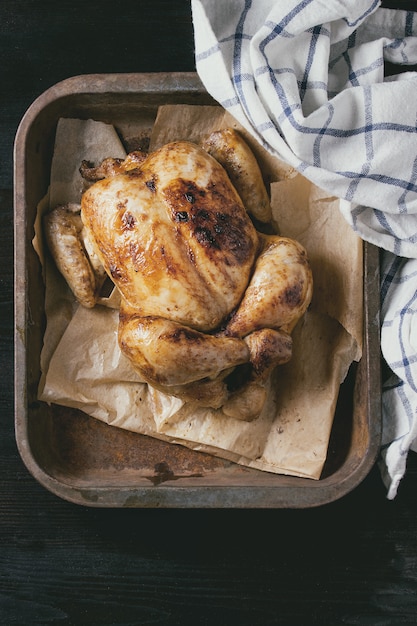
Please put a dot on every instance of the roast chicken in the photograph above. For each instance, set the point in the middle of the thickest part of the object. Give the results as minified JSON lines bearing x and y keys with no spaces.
{"x":207,"y":302}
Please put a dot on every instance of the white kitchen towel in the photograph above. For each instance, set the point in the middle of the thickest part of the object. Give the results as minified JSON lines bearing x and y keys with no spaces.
{"x":307,"y":79}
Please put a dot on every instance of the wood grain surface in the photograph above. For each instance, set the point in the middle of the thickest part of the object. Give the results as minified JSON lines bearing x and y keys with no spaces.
{"x":352,"y":562}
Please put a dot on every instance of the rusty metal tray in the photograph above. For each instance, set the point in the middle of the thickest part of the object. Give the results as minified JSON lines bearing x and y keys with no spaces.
{"x":88,"y":462}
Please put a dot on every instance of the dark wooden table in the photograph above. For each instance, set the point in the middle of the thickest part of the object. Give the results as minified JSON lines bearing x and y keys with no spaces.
{"x":350,"y":562}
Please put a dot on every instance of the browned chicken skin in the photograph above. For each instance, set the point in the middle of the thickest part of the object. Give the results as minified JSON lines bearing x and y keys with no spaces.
{"x":73,"y":254}
{"x":174,"y":236}
{"x":207,"y":302}
{"x":229,"y":149}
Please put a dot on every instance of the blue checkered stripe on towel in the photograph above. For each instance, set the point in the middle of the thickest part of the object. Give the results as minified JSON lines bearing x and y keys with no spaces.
{"x":399,"y":346}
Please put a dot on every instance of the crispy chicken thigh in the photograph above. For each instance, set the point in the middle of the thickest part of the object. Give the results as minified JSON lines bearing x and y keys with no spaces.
{"x":207,"y":302}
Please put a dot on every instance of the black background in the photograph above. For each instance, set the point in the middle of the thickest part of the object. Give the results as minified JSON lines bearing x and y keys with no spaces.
{"x":350,"y":562}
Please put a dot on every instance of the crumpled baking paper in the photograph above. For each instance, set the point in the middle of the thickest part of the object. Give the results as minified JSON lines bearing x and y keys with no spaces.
{"x":82,"y":365}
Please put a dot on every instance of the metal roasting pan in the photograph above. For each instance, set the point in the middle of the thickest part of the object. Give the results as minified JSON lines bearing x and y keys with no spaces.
{"x":87,"y":462}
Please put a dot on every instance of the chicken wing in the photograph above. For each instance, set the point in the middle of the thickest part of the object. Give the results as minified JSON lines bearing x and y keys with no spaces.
{"x":73,"y":254}
{"x":234,"y":154}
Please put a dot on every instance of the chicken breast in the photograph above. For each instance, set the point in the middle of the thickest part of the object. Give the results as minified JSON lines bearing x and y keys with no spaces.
{"x":174,"y":236}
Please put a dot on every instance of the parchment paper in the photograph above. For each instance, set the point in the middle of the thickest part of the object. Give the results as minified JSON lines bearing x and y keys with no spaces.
{"x":83,"y":367}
